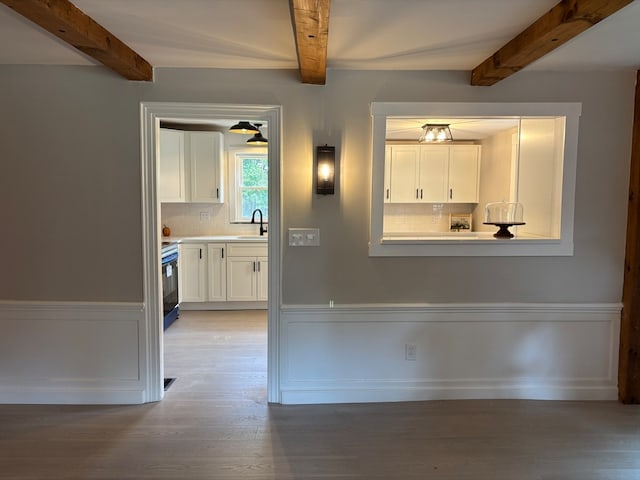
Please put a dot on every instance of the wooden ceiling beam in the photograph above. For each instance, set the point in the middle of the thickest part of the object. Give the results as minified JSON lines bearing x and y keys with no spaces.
{"x":310,"y":19}
{"x":563,"y":22}
{"x":64,"y":20}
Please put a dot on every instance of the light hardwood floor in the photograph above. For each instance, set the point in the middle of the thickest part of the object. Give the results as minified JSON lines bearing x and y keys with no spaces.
{"x":214,"y":423}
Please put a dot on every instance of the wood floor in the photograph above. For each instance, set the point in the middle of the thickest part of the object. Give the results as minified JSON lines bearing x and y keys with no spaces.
{"x":214,"y":423}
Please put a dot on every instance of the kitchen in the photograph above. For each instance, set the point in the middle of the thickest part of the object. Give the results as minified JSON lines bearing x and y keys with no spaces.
{"x":447,"y":179}
{"x":213,"y":193}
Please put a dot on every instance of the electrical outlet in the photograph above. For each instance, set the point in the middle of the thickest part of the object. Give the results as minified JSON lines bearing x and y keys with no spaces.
{"x":205,"y":216}
{"x":410,"y":351}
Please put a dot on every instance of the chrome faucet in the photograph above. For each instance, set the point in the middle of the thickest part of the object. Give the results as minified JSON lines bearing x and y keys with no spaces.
{"x":263,"y":229}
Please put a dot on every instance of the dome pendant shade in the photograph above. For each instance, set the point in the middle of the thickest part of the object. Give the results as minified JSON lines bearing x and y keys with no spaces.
{"x":258,"y":139}
{"x":244,"y":127}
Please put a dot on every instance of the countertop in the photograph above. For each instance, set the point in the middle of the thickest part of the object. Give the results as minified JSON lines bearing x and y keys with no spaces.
{"x":216,"y":238}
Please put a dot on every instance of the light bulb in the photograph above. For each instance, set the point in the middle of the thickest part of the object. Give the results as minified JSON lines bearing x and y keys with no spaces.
{"x":325,"y":172}
{"x":429,"y":137}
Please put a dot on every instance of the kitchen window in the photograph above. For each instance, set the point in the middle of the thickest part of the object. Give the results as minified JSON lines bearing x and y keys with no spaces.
{"x":249,"y":174}
{"x":526,"y":153}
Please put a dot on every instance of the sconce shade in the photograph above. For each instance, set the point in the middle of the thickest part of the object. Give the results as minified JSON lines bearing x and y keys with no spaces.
{"x":325,"y":170}
{"x":435,"y":132}
{"x":244,"y":127}
{"x":258,"y":139}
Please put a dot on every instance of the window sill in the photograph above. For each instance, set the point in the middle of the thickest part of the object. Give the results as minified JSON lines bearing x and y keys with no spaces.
{"x":467,"y":244}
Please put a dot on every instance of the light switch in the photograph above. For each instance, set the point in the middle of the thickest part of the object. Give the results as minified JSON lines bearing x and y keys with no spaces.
{"x":304,"y":237}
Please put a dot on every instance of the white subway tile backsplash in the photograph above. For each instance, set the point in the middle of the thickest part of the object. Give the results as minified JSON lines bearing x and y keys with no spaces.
{"x":420,"y":218}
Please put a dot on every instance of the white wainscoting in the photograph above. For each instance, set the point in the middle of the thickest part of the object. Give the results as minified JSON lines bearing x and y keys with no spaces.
{"x":356,"y":353}
{"x":68,"y":352}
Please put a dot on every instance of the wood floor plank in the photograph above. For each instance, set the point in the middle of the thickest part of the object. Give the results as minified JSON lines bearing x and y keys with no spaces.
{"x":215,"y":423}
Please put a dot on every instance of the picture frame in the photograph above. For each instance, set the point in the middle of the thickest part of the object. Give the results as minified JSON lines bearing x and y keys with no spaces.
{"x":460,"y":222}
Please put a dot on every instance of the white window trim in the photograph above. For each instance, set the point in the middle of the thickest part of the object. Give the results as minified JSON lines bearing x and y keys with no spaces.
{"x":232,"y":153}
{"x":381,"y":247}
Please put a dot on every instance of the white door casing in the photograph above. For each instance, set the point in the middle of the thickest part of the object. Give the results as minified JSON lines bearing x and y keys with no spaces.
{"x":150,"y":343}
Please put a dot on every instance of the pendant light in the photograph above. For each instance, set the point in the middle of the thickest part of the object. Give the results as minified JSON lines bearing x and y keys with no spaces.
{"x":243,"y":127}
{"x":258,"y":139}
{"x":435,"y":132}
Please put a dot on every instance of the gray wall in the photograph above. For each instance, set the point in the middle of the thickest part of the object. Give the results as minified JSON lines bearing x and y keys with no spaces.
{"x":70,"y":184}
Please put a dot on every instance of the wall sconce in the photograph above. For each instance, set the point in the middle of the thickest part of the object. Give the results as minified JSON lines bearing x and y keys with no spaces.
{"x":325,"y":170}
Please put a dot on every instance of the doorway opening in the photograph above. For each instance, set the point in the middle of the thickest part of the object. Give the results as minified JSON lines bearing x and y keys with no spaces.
{"x":151,"y":338}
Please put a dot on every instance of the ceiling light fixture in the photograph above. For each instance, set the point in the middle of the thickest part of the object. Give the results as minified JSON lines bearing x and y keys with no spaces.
{"x":435,"y":132}
{"x":258,"y":139}
{"x":244,"y":127}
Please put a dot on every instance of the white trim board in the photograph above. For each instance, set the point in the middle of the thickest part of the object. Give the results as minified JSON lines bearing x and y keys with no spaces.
{"x":150,"y":115}
{"x":379,"y":246}
{"x":80,"y":352}
{"x":357,"y":353}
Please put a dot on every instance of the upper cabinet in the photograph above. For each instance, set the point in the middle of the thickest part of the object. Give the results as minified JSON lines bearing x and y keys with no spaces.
{"x":464,"y":173}
{"x":432,"y":173}
{"x":190,"y":166}
{"x":171,"y":178}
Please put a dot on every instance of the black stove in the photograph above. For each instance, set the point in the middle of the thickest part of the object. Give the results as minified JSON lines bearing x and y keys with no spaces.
{"x":170,"y":306}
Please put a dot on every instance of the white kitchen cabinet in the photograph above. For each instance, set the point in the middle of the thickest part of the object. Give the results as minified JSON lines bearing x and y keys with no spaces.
{"x":217,"y":268}
{"x":404,"y":170}
{"x":432,"y":173}
{"x":247,"y":272}
{"x":262,"y":278}
{"x":192,"y":265}
{"x":464,"y":173}
{"x":205,"y":160}
{"x":190,"y":166}
{"x":171,"y":169}
{"x":387,"y":174}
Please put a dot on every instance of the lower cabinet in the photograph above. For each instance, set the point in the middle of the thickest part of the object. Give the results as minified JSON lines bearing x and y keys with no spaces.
{"x":217,"y":272}
{"x":192,"y":264}
{"x":247,"y":272}
{"x":223,"y":272}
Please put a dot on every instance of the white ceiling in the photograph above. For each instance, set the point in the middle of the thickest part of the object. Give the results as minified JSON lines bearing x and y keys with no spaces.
{"x":363,"y":34}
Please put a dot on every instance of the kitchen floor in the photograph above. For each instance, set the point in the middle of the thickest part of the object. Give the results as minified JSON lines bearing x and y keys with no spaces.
{"x":218,"y":356}
{"x":214,"y":424}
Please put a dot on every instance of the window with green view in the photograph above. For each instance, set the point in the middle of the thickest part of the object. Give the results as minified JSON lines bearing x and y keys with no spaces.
{"x":252,"y":178}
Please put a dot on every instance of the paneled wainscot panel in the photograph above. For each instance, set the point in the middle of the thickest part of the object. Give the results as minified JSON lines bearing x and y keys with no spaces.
{"x":533,"y":351}
{"x":78,"y":352}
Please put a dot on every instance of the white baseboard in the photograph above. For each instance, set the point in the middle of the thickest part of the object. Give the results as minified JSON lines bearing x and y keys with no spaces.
{"x":356,"y":353}
{"x":71,"y":352}
{"x":223,"y":305}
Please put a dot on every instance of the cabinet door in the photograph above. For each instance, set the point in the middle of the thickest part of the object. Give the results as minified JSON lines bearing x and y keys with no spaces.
{"x":464,"y":167}
{"x":403,"y":173}
{"x":433,"y":181}
{"x":262,"y":278}
{"x":205,"y":160}
{"x":191,"y":272}
{"x":171,"y":177}
{"x":217,"y":266}
{"x":241,"y":278}
{"x":387,"y":174}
